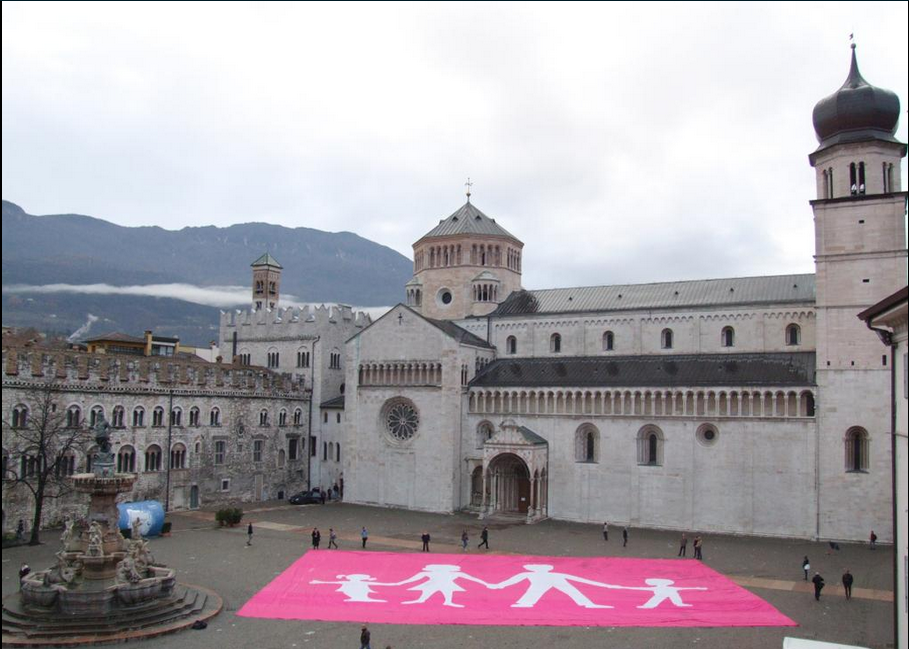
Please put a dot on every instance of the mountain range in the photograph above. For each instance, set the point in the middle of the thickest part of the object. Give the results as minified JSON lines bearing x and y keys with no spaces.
{"x":76,"y":249}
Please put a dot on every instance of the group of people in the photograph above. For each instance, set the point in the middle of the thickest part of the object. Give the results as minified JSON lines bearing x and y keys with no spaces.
{"x":624,"y":534}
{"x":698,"y":546}
{"x":819,"y":583}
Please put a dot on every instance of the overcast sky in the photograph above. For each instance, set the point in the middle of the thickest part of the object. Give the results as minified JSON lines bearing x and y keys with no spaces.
{"x":621,"y":143}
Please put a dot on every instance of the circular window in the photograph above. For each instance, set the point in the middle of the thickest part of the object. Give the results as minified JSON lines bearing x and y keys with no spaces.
{"x":401,"y":420}
{"x":708,"y":435}
{"x":445,"y":297}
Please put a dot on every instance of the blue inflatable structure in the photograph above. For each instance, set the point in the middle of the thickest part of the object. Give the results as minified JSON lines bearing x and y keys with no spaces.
{"x":149,"y":512}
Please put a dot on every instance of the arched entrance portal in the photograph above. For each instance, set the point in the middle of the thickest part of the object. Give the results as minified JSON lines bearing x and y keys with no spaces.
{"x":509,"y":478}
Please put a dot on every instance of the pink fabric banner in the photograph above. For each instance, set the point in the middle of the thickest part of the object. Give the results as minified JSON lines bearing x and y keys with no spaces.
{"x":424,"y":588}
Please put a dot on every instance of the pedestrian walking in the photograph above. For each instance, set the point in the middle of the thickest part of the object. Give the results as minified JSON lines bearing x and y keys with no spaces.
{"x":316,"y":538}
{"x":364,"y":635}
{"x":806,"y":566}
{"x":364,"y":536}
{"x":249,"y":533}
{"x":425,"y":538}
{"x":464,"y":540}
{"x":698,"y":548}
{"x":872,"y":540}
{"x":683,"y":545}
{"x":20,"y":531}
{"x":23,"y":571}
{"x":847,"y":584}
{"x":624,"y":536}
{"x":606,"y":531}
{"x":322,"y":495}
{"x":818,"y":582}
{"x":484,"y":538}
{"x":332,"y":538}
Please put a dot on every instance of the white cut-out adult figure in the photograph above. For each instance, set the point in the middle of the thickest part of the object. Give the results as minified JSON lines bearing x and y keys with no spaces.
{"x":542,"y":580}
{"x":440,"y":578}
{"x":662,"y":590}
{"x":357,"y":587}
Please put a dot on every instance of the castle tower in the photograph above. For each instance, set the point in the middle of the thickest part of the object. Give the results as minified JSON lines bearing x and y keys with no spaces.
{"x":465,"y":266}
{"x":266,"y":282}
{"x":860,"y":258}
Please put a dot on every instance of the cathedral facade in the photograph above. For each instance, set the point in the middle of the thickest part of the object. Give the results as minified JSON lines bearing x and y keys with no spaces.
{"x":755,"y":405}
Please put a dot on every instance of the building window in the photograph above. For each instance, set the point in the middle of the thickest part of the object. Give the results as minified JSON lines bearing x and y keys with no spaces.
{"x":313,"y":445}
{"x":608,"y":341}
{"x":485,"y":431}
{"x":298,"y":418}
{"x":126,"y":460}
{"x":220,"y":451}
{"x":337,"y":451}
{"x":338,"y":417}
{"x":20,"y":416}
{"x":511,"y":345}
{"x":176,"y":417}
{"x":281,"y":459}
{"x":324,"y":451}
{"x":153,"y":458}
{"x":587,"y":444}
{"x":158,"y":417}
{"x":666,"y":339}
{"x":728,"y":337}
{"x":73,"y":417}
{"x":555,"y":343}
{"x":324,"y":417}
{"x":95,"y":415}
{"x":244,"y":358}
{"x":214,"y":417}
{"x":138,"y":417}
{"x":402,"y":420}
{"x":793,"y":335}
{"x":66,"y":465}
{"x":857,"y":449}
{"x":178,"y":457}
{"x":225,"y":484}
{"x":650,"y":446}
{"x":194,"y":417}
{"x":282,"y":418}
{"x":272,"y":359}
{"x":302,"y":358}
{"x":707,"y":435}
{"x":258,"y":444}
{"x":334,"y":360}
{"x":292,"y":445}
{"x":263,"y":417}
{"x":118,"y":417}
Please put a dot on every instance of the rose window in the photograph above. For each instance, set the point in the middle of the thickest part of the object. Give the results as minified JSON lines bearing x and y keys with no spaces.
{"x":402,"y":421}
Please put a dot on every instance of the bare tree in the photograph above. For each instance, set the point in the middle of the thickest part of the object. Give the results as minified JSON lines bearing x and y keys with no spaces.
{"x":44,"y":438}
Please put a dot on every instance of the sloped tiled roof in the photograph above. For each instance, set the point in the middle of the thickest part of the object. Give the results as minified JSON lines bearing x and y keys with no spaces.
{"x":336,"y":403}
{"x":117,"y":337}
{"x":266,"y":260}
{"x":530,"y":436}
{"x":733,"y":291}
{"x":456,"y":332}
{"x":468,"y":220}
{"x":773,"y":369}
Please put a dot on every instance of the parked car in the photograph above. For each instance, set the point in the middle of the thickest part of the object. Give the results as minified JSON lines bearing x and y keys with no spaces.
{"x":313,"y":496}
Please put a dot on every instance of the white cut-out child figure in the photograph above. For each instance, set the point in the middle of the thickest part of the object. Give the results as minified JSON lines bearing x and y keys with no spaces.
{"x":440,"y":578}
{"x":662,"y":590}
{"x":542,"y":580}
{"x":357,"y":587}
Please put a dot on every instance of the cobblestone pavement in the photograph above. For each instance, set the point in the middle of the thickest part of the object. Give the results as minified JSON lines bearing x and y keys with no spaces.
{"x":771,"y":568}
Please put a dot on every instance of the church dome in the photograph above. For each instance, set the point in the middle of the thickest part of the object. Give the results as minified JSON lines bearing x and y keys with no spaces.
{"x":857,"y":112}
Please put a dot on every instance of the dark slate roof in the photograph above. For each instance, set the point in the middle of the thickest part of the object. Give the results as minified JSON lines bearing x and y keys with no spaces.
{"x":530,"y":436}
{"x":266,"y":260}
{"x":336,"y":403}
{"x":468,"y":220}
{"x":772,"y":369}
{"x":116,"y":336}
{"x":456,"y":332}
{"x":712,"y":293}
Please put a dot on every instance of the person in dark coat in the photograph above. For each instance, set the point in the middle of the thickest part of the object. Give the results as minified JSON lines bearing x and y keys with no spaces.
{"x":332,"y":538}
{"x":847,"y":584}
{"x":425,"y":539}
{"x":818,"y":582}
{"x":316,"y":538}
{"x":698,"y":548}
{"x":683,"y":545}
{"x":624,"y":536}
{"x":364,"y":638}
{"x":606,"y":531}
{"x":249,"y":533}
{"x":806,"y":566}
{"x":484,"y":538}
{"x":364,"y":536}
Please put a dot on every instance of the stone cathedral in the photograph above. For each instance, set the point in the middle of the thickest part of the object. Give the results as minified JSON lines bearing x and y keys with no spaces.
{"x":753,"y":405}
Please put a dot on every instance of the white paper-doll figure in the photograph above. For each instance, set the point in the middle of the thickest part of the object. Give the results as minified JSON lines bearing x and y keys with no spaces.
{"x":440,"y":578}
{"x":542,"y":580}
{"x":357,"y":587}
{"x":662,"y":590}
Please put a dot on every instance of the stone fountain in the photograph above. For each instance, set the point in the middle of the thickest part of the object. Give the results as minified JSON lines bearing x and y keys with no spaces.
{"x":104,"y":586}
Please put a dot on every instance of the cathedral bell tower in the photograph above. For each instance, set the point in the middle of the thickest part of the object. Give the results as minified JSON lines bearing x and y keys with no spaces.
{"x":860,"y":258}
{"x":266,"y":282}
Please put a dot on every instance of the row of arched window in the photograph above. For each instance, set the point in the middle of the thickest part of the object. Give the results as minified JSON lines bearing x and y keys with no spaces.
{"x":479,"y":254}
{"x":667,"y":340}
{"x":485,"y":292}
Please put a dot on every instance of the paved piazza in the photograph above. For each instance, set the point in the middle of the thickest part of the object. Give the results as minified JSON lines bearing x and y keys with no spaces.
{"x":771,"y":569}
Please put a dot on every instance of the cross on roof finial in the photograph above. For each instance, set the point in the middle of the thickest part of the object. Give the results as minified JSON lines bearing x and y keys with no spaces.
{"x":468,"y":184}
{"x":852,"y":40}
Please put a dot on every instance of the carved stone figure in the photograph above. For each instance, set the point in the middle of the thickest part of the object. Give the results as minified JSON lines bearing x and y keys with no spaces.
{"x":67,"y":534}
{"x":127,"y":571}
{"x":95,"y":540}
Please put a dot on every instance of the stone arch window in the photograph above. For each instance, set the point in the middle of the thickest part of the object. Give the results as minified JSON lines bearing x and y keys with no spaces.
{"x":608,"y":341}
{"x":511,"y":345}
{"x":555,"y":343}
{"x":793,"y":335}
{"x":197,"y":446}
{"x":282,"y":417}
{"x":95,"y":415}
{"x":485,"y":431}
{"x":118,"y":417}
{"x":857,"y":443}
{"x":587,"y":444}
{"x":158,"y":417}
{"x":126,"y":459}
{"x":401,"y":419}
{"x":263,"y":417}
{"x":272,"y":358}
{"x":337,"y":451}
{"x":808,"y":407}
{"x":90,"y":457}
{"x":258,"y":447}
{"x":66,"y":465}
{"x":298,"y":417}
{"x":138,"y":417}
{"x":20,"y":416}
{"x":282,"y":457}
{"x":853,"y":179}
{"x":153,"y":458}
{"x":73,"y":416}
{"x":302,"y":357}
{"x":194,"y":417}
{"x":178,"y":456}
{"x":176,"y":417}
{"x":214,"y":417}
{"x":887,"y":170}
{"x":650,"y":446}
{"x":30,"y":463}
{"x":666,"y":339}
{"x":220,"y":451}
{"x":335,"y":359}
{"x":727,"y":337}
